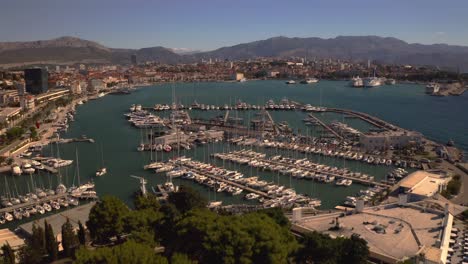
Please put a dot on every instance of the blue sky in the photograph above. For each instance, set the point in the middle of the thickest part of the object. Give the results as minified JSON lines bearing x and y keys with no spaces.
{"x":210,"y":24}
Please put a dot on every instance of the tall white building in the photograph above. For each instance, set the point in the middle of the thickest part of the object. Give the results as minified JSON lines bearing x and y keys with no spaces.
{"x":75,"y":88}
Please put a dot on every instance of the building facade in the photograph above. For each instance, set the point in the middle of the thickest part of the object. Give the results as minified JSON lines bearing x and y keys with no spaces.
{"x":36,"y":80}
{"x":389,"y":139}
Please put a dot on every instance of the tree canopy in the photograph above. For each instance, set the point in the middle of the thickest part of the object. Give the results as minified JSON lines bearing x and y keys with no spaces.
{"x":106,"y":219}
{"x":129,"y":252}
{"x":319,"y":248}
{"x":187,"y":199}
{"x":69,"y":239}
{"x":251,"y":238}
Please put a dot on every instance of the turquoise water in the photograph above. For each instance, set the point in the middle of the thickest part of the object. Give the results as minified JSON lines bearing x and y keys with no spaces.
{"x":438,"y":118}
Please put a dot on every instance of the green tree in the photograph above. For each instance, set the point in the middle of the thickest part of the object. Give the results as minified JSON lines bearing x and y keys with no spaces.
{"x":69,"y":239}
{"x":129,"y":252}
{"x":14,"y":133}
{"x":147,"y":202}
{"x":106,"y":219}
{"x":51,"y":244}
{"x":81,"y":234}
{"x":166,"y":227}
{"x":354,"y":250}
{"x":141,"y":225}
{"x":273,"y":243}
{"x":8,"y":254}
{"x":317,"y":248}
{"x":277,"y":215}
{"x":179,"y":258}
{"x":187,"y":199}
{"x":33,"y":131}
{"x":34,"y":249}
{"x":251,"y":238}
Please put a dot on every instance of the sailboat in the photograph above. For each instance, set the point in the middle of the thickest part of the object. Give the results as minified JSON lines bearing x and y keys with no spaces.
{"x":103,"y":170}
{"x":82,"y":189}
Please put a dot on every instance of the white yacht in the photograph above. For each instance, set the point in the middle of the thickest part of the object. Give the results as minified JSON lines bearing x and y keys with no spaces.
{"x":357,"y":82}
{"x":291,"y":82}
{"x":310,"y":81}
{"x":16,"y":170}
{"x":100,"y":172}
{"x":432,"y":88}
{"x":372,"y":82}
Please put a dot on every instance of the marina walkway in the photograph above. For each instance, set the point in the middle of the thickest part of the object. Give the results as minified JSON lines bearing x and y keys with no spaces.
{"x":325,"y":126}
{"x":362,"y":181}
{"x":365,"y":117}
{"x":32,"y":203}
{"x":246,"y":188}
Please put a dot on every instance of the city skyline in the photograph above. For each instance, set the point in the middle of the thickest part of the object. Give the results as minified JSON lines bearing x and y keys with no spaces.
{"x":211,"y":24}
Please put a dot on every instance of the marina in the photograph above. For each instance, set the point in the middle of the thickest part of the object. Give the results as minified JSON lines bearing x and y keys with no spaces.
{"x":102,"y":120}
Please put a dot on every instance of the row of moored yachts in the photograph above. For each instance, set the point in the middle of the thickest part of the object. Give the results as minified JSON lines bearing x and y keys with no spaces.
{"x":42,"y":208}
{"x":144,"y":119}
{"x":223,"y":180}
{"x":325,"y":151}
{"x":297,"y":168}
{"x":41,"y":201}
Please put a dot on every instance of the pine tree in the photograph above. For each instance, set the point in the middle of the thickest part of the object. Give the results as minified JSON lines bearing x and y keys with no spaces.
{"x":34,"y":249}
{"x":69,"y":239}
{"x":81,"y":233}
{"x":50,"y":242}
{"x":37,"y":239}
{"x":8,"y":254}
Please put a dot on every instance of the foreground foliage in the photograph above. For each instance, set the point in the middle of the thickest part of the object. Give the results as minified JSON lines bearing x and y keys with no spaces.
{"x":183,"y":231}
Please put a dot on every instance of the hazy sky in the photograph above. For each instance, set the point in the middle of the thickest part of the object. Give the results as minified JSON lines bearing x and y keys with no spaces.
{"x":210,"y":24}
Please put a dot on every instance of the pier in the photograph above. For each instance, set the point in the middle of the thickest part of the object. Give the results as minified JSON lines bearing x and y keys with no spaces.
{"x":243,"y":187}
{"x":326,"y":126}
{"x":365,"y":117}
{"x":72,"y":140}
{"x":32,"y":203}
{"x":289,"y":165}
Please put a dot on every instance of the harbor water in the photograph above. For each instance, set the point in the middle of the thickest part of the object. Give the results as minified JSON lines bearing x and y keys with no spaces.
{"x":406,"y":105}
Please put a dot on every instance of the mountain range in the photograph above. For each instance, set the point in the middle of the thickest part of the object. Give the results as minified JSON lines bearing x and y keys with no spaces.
{"x":67,"y":50}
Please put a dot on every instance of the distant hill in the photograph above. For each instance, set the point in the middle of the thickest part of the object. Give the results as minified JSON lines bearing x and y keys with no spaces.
{"x":75,"y":50}
{"x":381,"y":49}
{"x":387,"y":50}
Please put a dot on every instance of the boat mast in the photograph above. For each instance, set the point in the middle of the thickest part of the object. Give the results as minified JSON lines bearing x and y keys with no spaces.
{"x":77,"y":166}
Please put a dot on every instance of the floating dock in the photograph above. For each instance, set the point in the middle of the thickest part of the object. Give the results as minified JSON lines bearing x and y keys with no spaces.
{"x":33,"y":203}
{"x":362,"y":181}
{"x":318,"y":121}
{"x":235,"y":184}
{"x":72,"y":140}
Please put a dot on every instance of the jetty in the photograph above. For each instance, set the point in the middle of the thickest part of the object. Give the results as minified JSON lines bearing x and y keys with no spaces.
{"x":271,"y":163}
{"x":365,"y":117}
{"x":33,"y":203}
{"x":320,"y":122}
{"x":232,"y":183}
{"x":72,"y":140}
